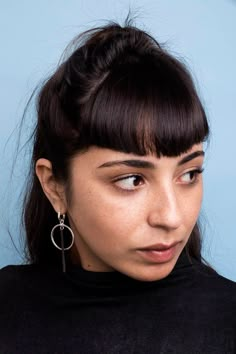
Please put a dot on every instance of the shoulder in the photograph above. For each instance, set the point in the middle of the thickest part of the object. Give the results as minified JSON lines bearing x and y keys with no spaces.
{"x":12,"y":278}
{"x":210,"y":277}
{"x":214,"y":288}
{"x":31,"y":280}
{"x":16,"y":292}
{"x":24,"y":280}
{"x":14,"y":272}
{"x":207,"y":298}
{"x":28,"y":289}
{"x":27,"y":272}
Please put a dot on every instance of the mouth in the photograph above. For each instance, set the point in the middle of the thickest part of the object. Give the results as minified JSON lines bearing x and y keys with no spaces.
{"x":159,"y":247}
{"x":159,"y":253}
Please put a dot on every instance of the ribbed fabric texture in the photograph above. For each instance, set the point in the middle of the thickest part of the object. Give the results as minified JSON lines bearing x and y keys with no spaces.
{"x":192,"y":311}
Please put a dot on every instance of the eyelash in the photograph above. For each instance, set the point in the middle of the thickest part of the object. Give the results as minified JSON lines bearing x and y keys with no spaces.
{"x":196,"y":173}
{"x":124,"y":178}
{"x":194,"y":180}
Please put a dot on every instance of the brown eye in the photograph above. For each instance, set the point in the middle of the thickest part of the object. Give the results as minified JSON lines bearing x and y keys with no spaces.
{"x":129,"y":182}
{"x":190,"y":176}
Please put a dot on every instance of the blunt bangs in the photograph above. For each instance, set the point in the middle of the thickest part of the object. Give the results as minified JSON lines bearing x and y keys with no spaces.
{"x":146,"y":106}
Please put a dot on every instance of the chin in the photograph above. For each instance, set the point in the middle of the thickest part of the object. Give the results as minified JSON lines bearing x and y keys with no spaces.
{"x":152,"y":272}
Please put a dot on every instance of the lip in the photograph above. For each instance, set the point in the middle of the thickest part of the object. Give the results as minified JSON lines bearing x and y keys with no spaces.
{"x":159,"y":247}
{"x":159,"y":253}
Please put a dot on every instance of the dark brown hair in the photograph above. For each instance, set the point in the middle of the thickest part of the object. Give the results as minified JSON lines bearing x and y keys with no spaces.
{"x":119,"y":89}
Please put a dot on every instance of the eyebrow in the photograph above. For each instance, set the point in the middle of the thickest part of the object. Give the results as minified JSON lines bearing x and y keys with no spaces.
{"x":191,"y":156}
{"x":146,"y":164}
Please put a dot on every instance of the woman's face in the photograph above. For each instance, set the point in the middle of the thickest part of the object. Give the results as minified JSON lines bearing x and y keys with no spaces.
{"x":126,"y":209}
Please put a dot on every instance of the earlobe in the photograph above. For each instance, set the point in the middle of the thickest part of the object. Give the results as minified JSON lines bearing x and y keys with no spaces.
{"x":52,"y":189}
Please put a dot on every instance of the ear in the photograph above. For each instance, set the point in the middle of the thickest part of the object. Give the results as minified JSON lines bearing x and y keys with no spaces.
{"x":53,"y":190}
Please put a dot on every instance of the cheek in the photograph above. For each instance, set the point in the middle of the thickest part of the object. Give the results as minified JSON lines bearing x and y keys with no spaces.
{"x":96,"y":211}
{"x":192,"y":206}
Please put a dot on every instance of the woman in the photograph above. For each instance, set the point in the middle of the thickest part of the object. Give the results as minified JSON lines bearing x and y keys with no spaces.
{"x":111,"y":213}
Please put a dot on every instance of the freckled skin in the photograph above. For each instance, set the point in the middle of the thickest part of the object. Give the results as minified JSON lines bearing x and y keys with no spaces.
{"x":111,"y":223}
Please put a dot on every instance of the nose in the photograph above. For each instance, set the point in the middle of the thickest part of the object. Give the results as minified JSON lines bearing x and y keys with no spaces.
{"x":164,"y":210}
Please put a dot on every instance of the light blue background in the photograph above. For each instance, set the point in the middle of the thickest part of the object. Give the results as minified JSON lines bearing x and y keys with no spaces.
{"x":33,"y":35}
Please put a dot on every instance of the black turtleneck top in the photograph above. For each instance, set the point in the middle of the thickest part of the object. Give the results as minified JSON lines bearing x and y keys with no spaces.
{"x":42,"y":310}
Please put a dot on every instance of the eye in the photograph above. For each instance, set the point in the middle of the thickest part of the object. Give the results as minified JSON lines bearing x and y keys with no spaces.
{"x":129,"y":183}
{"x":191,"y":177}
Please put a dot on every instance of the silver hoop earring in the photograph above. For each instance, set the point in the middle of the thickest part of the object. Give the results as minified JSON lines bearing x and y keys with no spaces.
{"x":62,"y":226}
